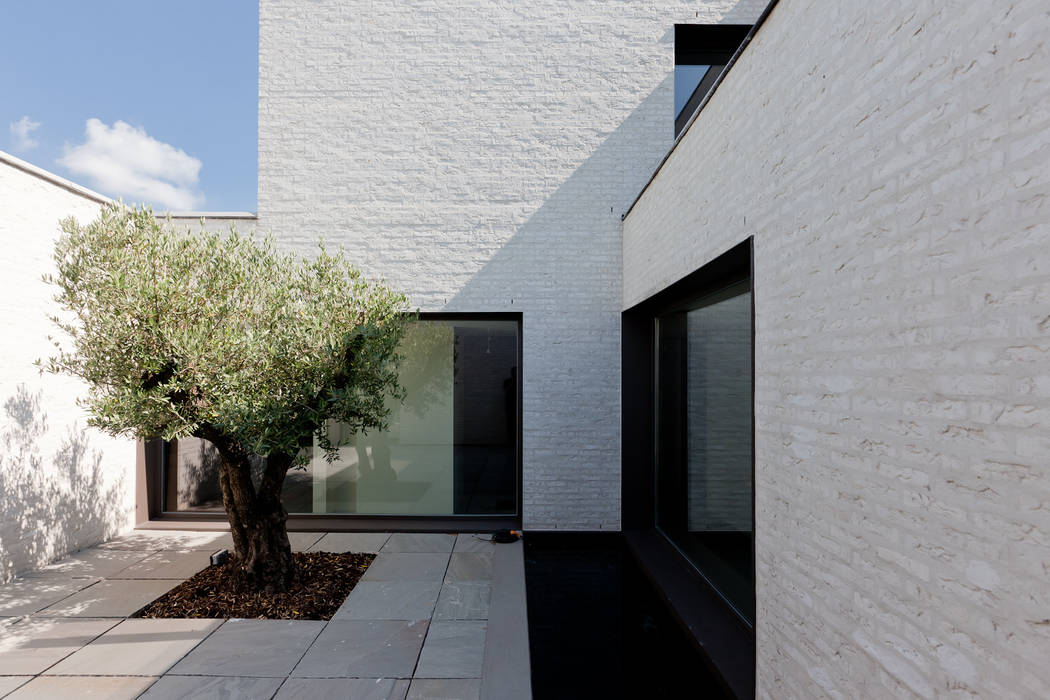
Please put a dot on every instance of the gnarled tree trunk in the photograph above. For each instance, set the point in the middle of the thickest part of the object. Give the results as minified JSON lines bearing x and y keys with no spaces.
{"x":257,"y":515}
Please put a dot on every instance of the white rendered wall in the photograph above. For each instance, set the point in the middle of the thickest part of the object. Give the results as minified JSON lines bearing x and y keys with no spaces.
{"x":479,"y":156}
{"x":62,"y":486}
{"x":891,"y":161}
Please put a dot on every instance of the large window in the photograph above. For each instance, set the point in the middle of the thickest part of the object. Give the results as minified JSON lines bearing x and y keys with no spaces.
{"x":451,"y":448}
{"x":703,"y":437}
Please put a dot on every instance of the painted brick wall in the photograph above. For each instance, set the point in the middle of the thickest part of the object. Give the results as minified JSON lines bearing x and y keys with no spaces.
{"x":479,"y":156}
{"x":62,"y":486}
{"x":891,"y":162}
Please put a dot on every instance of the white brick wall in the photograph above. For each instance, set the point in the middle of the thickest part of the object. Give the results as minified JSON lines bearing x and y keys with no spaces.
{"x":62,"y":486}
{"x":479,"y":156}
{"x":891,"y":161}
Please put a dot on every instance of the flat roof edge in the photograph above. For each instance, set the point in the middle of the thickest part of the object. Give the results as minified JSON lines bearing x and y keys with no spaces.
{"x":56,"y":180}
{"x":209,"y":215}
{"x":703,"y":103}
{"x":69,"y":186}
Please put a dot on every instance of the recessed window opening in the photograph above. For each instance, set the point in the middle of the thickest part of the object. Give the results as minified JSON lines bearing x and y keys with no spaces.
{"x":704,"y":462}
{"x":451,"y":448}
{"x":701,"y":53}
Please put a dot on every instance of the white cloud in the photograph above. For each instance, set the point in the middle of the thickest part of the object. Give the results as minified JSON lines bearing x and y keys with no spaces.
{"x":127,"y":162}
{"x":20,"y":134}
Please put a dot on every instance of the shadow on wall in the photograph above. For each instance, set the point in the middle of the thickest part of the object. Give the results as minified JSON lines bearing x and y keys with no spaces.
{"x":562,"y":267}
{"x":578,"y":222}
{"x":49,"y":505}
{"x":744,"y":12}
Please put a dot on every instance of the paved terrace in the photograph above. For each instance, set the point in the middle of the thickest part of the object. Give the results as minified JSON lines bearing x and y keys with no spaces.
{"x":434,"y":616}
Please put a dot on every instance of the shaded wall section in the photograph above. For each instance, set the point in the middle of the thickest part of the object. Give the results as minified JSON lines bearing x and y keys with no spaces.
{"x":890,"y":161}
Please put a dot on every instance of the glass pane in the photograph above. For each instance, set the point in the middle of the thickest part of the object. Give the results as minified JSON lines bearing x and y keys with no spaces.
{"x":686,"y":79}
{"x":704,"y":462}
{"x":451,"y":447}
{"x":719,"y":416}
{"x":192,"y":476}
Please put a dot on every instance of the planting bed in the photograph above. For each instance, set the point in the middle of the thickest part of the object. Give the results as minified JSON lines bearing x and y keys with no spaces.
{"x":323,"y":581}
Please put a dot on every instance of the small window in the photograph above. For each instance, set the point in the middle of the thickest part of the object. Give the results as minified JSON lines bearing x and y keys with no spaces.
{"x":701,"y":53}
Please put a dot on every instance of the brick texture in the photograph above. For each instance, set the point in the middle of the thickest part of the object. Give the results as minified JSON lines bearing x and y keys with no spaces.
{"x":479,"y":156}
{"x":63,"y":486}
{"x":890,"y":161}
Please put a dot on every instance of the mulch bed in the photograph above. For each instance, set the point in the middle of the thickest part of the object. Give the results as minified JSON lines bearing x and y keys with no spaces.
{"x":323,"y":582}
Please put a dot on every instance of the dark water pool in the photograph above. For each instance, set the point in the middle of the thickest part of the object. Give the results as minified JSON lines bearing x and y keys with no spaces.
{"x":597,"y":628}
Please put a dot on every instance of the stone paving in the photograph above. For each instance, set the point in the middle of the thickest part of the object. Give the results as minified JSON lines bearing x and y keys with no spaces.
{"x":414,"y":627}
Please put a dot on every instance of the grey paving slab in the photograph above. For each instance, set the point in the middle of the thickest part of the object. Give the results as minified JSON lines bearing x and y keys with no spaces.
{"x":31,"y":645}
{"x":445,"y":689}
{"x":9,"y":683}
{"x":27,"y":595}
{"x":469,"y":567}
{"x":390,"y":600}
{"x":453,"y":649}
{"x":168,"y":565}
{"x":212,"y":688}
{"x":171,"y":539}
{"x":110,"y":598}
{"x":66,"y":687}
{"x":475,"y":543}
{"x":463,"y":601}
{"x":368,"y":542}
{"x":136,"y":648}
{"x":343,"y":688}
{"x":407,"y":567}
{"x":419,"y":542}
{"x":255,"y":648}
{"x":364,"y":649}
{"x":302,"y":541}
{"x":95,"y":562}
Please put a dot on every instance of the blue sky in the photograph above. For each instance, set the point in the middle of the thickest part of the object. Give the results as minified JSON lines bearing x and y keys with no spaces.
{"x":152,"y":101}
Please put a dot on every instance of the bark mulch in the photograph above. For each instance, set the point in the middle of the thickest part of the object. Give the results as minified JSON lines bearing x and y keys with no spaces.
{"x":323,"y":581}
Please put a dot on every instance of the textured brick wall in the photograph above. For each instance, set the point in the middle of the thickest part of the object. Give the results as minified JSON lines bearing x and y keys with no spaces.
{"x":479,"y":156}
{"x":891,"y":162}
{"x":62,"y":486}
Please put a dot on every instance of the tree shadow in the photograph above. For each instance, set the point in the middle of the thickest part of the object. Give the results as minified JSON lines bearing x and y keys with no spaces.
{"x":49,"y":504}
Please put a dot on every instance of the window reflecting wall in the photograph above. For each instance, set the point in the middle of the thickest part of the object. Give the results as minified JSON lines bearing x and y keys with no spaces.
{"x":703,"y":439}
{"x":451,"y":447}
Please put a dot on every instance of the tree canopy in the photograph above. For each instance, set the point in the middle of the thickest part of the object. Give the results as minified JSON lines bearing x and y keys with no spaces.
{"x":180,"y":333}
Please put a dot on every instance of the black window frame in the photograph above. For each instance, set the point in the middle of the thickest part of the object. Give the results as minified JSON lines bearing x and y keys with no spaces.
{"x":711,"y":45}
{"x":725,"y":638}
{"x":154,"y":457}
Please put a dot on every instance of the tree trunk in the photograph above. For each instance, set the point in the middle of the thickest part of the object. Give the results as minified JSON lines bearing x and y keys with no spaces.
{"x":257,"y":516}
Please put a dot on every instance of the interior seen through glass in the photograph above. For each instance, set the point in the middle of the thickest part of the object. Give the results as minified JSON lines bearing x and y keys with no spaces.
{"x":451,"y":446}
{"x":704,"y":464}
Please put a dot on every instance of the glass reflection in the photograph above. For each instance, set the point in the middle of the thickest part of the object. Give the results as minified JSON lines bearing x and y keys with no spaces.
{"x":451,"y":446}
{"x":704,"y":427}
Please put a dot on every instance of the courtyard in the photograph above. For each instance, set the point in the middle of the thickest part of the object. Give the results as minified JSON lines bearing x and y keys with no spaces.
{"x":434,"y":616}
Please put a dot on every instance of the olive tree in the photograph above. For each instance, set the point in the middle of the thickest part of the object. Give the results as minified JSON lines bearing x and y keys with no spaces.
{"x":224,"y":337}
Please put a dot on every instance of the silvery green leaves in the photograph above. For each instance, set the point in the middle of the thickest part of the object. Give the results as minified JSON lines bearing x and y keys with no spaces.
{"x":178,"y":331}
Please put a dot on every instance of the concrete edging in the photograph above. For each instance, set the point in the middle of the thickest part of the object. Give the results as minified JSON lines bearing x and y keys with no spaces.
{"x":506,"y":673}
